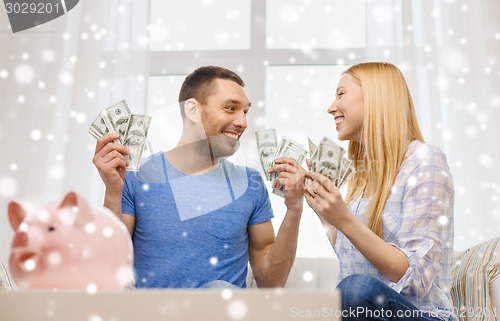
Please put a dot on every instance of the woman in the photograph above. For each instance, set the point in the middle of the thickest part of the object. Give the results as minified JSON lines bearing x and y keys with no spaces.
{"x":394,"y":237}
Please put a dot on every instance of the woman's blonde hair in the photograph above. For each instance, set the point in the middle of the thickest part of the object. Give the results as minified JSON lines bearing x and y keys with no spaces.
{"x":389,"y":126}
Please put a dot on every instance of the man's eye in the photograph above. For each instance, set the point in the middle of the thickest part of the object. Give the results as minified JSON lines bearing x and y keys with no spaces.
{"x":230,"y":108}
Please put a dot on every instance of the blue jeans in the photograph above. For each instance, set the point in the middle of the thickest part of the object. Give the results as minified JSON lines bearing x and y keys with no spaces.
{"x":365,"y":297}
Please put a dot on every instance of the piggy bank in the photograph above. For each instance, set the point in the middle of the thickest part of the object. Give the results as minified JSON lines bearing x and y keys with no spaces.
{"x":69,"y":245}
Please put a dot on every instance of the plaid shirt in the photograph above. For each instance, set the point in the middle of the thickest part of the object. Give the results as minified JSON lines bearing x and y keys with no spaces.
{"x":418,"y":220}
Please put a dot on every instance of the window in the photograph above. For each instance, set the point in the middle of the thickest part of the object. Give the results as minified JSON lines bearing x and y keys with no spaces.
{"x":290,"y":55}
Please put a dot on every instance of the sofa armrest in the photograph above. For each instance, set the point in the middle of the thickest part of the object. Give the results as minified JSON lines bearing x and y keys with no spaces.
{"x":495,"y":295}
{"x":6,"y":283}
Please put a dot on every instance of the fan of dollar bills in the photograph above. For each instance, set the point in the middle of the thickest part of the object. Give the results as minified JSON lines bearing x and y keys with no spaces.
{"x":327,"y":158}
{"x":133,"y":130}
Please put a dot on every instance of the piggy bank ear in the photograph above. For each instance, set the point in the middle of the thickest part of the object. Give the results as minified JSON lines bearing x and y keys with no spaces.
{"x":16,"y":214}
{"x":79,"y":205}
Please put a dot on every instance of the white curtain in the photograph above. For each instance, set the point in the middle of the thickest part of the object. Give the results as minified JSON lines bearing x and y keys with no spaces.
{"x":450,"y":54}
{"x":54,"y":80}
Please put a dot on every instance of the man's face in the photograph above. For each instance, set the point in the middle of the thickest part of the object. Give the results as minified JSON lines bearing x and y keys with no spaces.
{"x":224,"y":117}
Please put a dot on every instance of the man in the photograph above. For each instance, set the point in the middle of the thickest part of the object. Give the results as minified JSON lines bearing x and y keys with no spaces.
{"x":195,"y":217}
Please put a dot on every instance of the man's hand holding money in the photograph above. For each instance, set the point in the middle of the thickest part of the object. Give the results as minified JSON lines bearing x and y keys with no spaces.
{"x":111,"y":162}
{"x":292,"y":177}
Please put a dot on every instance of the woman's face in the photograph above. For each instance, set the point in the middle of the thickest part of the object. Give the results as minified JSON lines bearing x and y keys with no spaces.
{"x":348,"y":109}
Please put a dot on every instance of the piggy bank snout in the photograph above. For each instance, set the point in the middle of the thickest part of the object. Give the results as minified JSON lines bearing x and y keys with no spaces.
{"x":26,"y":254}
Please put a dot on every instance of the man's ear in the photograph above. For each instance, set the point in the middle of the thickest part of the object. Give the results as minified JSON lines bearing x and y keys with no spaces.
{"x":191,"y":110}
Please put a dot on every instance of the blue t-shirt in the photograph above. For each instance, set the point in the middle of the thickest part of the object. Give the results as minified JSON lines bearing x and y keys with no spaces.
{"x":191,"y":230}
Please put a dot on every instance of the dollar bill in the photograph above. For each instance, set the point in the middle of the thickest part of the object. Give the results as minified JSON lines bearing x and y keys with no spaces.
{"x":267,"y":144}
{"x":116,"y":117}
{"x":135,"y":139}
{"x":133,"y":130}
{"x":330,"y":160}
{"x":288,"y":149}
{"x":98,"y":127}
{"x":312,"y":150}
{"x":312,"y":147}
{"x":348,"y":174}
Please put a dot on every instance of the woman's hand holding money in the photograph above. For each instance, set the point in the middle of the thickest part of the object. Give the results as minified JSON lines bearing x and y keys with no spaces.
{"x":325,"y":199}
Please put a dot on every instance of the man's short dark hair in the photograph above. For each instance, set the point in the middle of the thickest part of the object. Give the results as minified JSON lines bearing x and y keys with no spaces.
{"x":201,"y":83}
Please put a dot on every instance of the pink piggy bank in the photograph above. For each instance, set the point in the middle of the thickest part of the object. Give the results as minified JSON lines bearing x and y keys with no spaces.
{"x":69,"y":245}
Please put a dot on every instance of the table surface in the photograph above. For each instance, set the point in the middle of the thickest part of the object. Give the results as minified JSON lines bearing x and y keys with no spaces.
{"x":177,"y":304}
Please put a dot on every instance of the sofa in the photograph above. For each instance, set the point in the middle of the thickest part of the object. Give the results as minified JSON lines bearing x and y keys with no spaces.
{"x":475,"y":289}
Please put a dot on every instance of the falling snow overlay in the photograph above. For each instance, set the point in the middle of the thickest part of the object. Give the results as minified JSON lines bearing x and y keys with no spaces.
{"x":55,"y":78}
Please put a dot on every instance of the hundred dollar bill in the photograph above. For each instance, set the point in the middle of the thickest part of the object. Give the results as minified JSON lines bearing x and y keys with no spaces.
{"x":289,"y":149}
{"x":329,"y":160}
{"x":267,"y":144}
{"x":116,"y":118}
{"x":312,"y":147}
{"x":347,"y":175}
{"x":312,"y":152}
{"x":344,"y":167}
{"x":98,"y":127}
{"x":135,"y":139}
{"x":313,"y":162}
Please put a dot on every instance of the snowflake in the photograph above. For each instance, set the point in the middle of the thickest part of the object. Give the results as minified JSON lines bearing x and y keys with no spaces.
{"x":485,"y":160}
{"x":66,"y":78}
{"x":289,"y":14}
{"x":227,"y":294}
{"x":90,"y":228}
{"x":308,"y":276}
{"x":36,"y":134}
{"x":48,"y":55}
{"x":412,"y":181}
{"x":57,"y":172}
{"x":108,"y":231}
{"x":237,"y":309}
{"x":447,"y":135}
{"x":24,"y":74}
{"x":54,"y":258}
{"x":443,"y":220}
{"x":94,"y":317}
{"x":29,"y":265}
{"x":124,"y":274}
